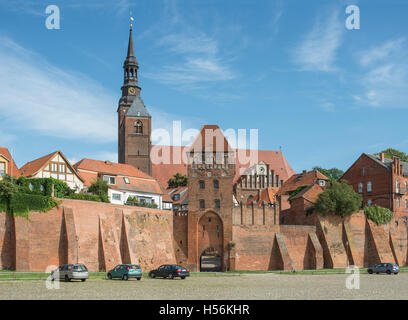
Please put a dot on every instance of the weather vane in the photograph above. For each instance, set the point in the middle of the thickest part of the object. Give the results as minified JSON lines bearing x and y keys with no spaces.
{"x":131,"y":19}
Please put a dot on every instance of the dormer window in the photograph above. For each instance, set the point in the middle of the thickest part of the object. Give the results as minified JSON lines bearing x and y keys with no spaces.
{"x":126,"y":180}
{"x":322,"y":183}
{"x":109,"y":179}
{"x":176,"y":197}
{"x":138,"y":127}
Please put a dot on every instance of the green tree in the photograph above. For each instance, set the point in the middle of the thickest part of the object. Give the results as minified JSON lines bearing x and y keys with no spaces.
{"x":178,"y":180}
{"x":100,"y":187}
{"x":7,"y":188}
{"x":390,"y":152}
{"x":339,"y":198}
{"x":332,"y":174}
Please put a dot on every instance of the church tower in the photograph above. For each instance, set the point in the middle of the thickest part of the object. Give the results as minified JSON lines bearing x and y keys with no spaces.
{"x":134,"y":121}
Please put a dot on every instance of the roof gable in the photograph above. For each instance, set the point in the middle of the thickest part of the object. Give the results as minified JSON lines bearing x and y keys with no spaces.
{"x":12,"y":167}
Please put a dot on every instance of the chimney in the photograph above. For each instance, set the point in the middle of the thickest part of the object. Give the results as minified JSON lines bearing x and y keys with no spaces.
{"x":382,"y":157}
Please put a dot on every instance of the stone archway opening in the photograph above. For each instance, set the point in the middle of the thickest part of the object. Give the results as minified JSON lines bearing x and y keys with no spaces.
{"x":210,"y":242}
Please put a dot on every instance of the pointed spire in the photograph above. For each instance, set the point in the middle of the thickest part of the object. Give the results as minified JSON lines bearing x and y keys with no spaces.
{"x":131,"y":50}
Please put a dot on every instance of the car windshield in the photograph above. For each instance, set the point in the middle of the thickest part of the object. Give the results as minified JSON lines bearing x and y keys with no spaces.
{"x":79,"y":268}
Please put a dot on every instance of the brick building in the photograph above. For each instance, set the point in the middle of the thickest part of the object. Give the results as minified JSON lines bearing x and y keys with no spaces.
{"x":7,"y":164}
{"x":381,"y":181}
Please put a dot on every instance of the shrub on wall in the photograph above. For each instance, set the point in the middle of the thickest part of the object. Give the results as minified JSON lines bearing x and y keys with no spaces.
{"x":43,"y":186}
{"x":21,"y":204}
{"x":378,"y":214}
{"x":339,"y":198}
{"x":3,"y":205}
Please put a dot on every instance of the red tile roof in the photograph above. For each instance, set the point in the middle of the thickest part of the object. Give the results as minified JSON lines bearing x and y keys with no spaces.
{"x":32,"y":167}
{"x":163,"y":172}
{"x":210,"y":138}
{"x":12,"y":168}
{"x":108,"y":167}
{"x":310,"y":193}
{"x":302,"y":179}
{"x":266,"y":195}
{"x":138,"y":180}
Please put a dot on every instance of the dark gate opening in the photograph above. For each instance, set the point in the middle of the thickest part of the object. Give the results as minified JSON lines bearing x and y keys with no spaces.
{"x":210,"y":261}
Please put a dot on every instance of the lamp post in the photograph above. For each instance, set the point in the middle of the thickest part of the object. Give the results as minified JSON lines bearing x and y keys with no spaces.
{"x":77,"y":241}
{"x":347,"y":253}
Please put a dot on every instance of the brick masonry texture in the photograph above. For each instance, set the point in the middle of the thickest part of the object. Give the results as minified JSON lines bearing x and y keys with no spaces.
{"x":111,"y":234}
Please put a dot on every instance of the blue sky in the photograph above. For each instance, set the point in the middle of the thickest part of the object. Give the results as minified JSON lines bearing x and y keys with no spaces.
{"x":290,"y":69}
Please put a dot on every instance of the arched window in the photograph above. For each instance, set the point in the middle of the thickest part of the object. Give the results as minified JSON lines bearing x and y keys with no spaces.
{"x":369,"y":187}
{"x":138,"y":127}
{"x":397,"y":186}
{"x":406,"y":186}
{"x":360,"y":187}
{"x":369,"y":202}
{"x":216,"y":184}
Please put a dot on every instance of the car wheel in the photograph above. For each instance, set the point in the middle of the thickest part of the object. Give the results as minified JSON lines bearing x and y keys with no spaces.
{"x":377,"y":273}
{"x":370,"y":271}
{"x":83,"y":280}
{"x":396,"y":273}
{"x":109,"y":276}
{"x":182,"y":278}
{"x":139,"y":278}
{"x":125,"y":277}
{"x":152,"y":275}
{"x":67,"y":279}
{"x":170,"y":276}
{"x":388,"y":272}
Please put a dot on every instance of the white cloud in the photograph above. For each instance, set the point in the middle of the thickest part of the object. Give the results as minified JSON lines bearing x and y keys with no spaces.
{"x":384,"y":79}
{"x":200,"y":62}
{"x":317,"y":51}
{"x":38,"y":97}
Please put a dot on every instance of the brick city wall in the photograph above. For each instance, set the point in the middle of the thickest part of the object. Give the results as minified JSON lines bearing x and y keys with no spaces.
{"x":108,"y":235}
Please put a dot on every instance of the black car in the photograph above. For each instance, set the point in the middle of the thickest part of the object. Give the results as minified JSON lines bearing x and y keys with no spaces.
{"x":170,"y":271}
{"x":384,"y":268}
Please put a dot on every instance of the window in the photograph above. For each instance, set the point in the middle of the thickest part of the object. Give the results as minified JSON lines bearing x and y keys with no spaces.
{"x":110,"y":179}
{"x":42,"y":187}
{"x":322,"y":183}
{"x":203,"y":227}
{"x":363,"y":171}
{"x":31,"y":186}
{"x":202,"y":204}
{"x":397,"y":186}
{"x":116,"y":196}
{"x":138,"y":127}
{"x":62,"y":167}
{"x":217,"y":203}
{"x":2,"y":169}
{"x":369,"y":202}
{"x":126,"y":180}
{"x":406,"y":204}
{"x":209,"y":220}
{"x":176,"y":197}
{"x":369,"y":187}
{"x":202,"y":184}
{"x":398,"y":202}
{"x":54,"y":167}
{"x":406,"y":187}
{"x":360,"y":187}
{"x":216,"y":184}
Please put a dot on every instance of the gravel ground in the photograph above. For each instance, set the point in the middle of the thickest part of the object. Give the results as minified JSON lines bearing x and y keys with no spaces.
{"x":246,"y":287}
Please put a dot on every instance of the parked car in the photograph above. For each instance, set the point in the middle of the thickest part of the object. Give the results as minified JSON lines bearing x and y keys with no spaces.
{"x":170,"y":271}
{"x":125,"y":271}
{"x":70,"y":272}
{"x":384,"y":268}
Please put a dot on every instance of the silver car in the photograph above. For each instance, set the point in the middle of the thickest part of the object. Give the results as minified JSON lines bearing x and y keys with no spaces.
{"x":384,"y":268}
{"x":68,"y":272}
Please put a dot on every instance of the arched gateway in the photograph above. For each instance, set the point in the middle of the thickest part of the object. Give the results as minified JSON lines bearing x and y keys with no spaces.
{"x":210,"y":242}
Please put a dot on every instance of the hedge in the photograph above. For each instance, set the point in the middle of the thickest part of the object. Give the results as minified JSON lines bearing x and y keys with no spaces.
{"x":378,"y":214}
{"x":21,"y":204}
{"x":3,"y":205}
{"x":61,"y":189}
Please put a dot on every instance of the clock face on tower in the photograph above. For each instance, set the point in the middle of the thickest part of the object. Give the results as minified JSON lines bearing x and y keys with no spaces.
{"x":131,"y":90}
